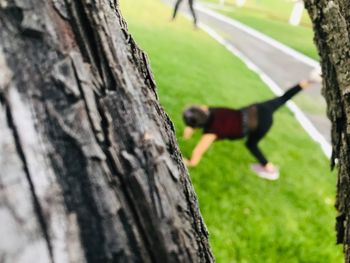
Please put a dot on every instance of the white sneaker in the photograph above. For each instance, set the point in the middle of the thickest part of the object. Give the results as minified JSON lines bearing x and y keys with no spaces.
{"x":263,"y":173}
{"x":316,"y":75}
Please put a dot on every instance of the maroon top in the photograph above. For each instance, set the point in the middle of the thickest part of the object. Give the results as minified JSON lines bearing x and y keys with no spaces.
{"x":225,"y":123}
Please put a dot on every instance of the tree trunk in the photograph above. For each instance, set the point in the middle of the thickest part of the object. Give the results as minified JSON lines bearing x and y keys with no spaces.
{"x":90,"y":170}
{"x":331,"y":22}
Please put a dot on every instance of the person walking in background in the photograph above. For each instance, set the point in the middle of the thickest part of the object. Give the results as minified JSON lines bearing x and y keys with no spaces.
{"x":190,"y":3}
{"x":251,"y":122}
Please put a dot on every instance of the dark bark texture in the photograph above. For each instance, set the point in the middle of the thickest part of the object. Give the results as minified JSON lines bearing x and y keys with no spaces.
{"x":90,"y":170}
{"x":331,"y":22}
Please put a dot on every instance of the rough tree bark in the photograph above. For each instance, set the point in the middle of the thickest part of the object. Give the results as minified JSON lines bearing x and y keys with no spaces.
{"x":331,"y":22}
{"x":89,"y":167}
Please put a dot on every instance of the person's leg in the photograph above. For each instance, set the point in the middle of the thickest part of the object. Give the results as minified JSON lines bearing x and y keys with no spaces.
{"x":190,"y":3}
{"x":265,"y":120}
{"x":252,"y":145}
{"x":275,"y":103}
{"x":178,"y":2}
{"x":264,"y":169}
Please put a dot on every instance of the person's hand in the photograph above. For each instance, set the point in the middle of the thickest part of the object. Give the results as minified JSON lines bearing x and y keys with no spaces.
{"x":187,"y":133}
{"x":188,"y":162}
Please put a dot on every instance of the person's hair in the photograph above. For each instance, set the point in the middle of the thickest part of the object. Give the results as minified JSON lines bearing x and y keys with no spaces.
{"x":195,"y":117}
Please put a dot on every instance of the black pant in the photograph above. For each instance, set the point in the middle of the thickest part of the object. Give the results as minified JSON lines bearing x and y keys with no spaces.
{"x":265,"y":112}
{"x":190,"y":3}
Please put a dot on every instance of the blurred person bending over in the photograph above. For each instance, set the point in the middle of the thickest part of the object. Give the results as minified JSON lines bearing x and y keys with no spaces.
{"x":251,"y":122}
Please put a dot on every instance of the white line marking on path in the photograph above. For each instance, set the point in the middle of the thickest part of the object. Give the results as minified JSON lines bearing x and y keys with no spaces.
{"x":300,"y":116}
{"x":297,"y":55}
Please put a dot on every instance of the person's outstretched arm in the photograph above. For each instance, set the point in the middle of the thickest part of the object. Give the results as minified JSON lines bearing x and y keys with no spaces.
{"x":202,"y":146}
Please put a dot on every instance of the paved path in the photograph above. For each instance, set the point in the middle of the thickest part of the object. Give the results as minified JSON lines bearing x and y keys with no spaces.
{"x":279,"y":63}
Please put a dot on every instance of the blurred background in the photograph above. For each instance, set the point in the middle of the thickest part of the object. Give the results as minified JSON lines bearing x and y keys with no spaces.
{"x":249,"y":219}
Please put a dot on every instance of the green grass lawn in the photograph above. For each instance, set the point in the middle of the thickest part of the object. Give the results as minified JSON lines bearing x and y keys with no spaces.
{"x":271,"y":18}
{"x":249,"y":219}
